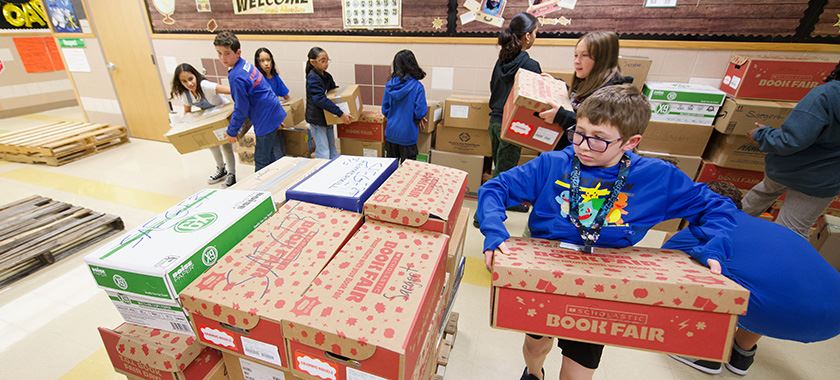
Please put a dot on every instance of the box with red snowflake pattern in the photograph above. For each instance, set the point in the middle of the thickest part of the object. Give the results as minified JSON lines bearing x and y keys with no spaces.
{"x":239,"y":304}
{"x":145,"y":353}
{"x":643,"y":298}
{"x":367,"y":315}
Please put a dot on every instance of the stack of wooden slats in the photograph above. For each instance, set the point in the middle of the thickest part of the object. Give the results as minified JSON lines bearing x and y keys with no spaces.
{"x":59,"y":143}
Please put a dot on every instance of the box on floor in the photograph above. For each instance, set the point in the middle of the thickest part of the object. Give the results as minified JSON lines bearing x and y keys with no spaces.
{"x":734,"y":151}
{"x":361,"y":148}
{"x":738,"y":116}
{"x":280,"y":176}
{"x":471,"y":164}
{"x":827,"y":239}
{"x":346,"y":182}
{"x":533,"y":93}
{"x":297,"y":140}
{"x":424,"y":142}
{"x":467,"y":112}
{"x":685,"y":103}
{"x":673,"y":138}
{"x":462,"y":140}
{"x":770,"y":78}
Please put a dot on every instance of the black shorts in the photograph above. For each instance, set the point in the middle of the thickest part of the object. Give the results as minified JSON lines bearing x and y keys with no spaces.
{"x":585,"y":354}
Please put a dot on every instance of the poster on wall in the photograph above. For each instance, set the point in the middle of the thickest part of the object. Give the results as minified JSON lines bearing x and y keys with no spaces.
{"x":62,"y":14}
{"x":23,"y":15}
{"x":38,"y":54}
{"x":487,"y":11}
{"x":251,"y":7}
{"x":372,"y":14}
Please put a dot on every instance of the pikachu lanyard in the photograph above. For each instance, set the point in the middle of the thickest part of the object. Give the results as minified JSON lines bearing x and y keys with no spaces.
{"x":590,"y":235}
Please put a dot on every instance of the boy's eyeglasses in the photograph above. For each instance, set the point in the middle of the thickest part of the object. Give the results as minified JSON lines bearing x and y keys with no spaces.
{"x":595,"y":144}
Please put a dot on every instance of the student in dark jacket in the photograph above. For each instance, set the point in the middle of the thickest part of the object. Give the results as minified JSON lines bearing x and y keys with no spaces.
{"x":803,"y":159}
{"x":404,"y":106}
{"x":318,"y":82}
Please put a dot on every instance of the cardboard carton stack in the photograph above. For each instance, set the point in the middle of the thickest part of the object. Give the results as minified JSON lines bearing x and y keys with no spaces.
{"x":461,"y":140}
{"x":365,"y":136}
{"x":294,"y":131}
{"x":425,"y":140}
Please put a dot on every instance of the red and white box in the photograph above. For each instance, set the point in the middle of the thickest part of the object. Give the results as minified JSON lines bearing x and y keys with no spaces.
{"x":766,"y":78}
{"x":369,"y":127}
{"x":531,"y":94}
{"x":239,"y":304}
{"x":648,"y":299}
{"x":144,"y":353}
{"x":742,"y":179}
{"x":368,"y":313}
{"x":420,"y":195}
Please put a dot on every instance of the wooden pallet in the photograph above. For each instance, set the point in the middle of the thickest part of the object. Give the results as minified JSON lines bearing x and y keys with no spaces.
{"x":37,"y":231}
{"x":59,"y":143}
{"x":447,"y":342}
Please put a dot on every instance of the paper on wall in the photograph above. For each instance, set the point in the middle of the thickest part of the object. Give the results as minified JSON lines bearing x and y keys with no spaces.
{"x":76,"y":60}
{"x":442,"y":78}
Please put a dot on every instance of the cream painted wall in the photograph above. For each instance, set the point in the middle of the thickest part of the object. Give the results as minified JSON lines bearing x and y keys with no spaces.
{"x":22,"y":92}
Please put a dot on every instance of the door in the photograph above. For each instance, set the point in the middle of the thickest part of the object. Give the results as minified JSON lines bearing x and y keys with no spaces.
{"x":119,"y":25}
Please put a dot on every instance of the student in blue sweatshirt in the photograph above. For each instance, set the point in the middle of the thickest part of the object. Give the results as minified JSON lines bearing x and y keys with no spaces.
{"x":794,"y":292}
{"x":252,"y":99}
{"x":318,"y":82}
{"x":265,"y":62}
{"x":597,"y":192}
{"x":404,"y":106}
{"x":803,"y":159}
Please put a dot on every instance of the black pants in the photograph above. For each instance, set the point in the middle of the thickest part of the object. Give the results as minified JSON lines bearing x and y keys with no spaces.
{"x":585,"y":354}
{"x":403,"y":152}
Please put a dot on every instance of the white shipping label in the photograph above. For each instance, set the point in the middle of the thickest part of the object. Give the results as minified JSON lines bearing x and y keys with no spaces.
{"x":263,"y":351}
{"x":344,"y":107}
{"x":459,"y":112}
{"x":370,"y":152}
{"x":438,"y":115}
{"x":545,"y":135}
{"x":255,"y":371}
{"x":735,"y":82}
{"x":155,"y":318}
{"x":221,"y":134}
{"x":359,"y":104}
{"x":355,"y":374}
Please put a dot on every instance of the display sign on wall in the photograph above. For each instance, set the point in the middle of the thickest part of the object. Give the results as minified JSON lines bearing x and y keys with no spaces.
{"x":63,"y":16}
{"x":372,"y":14}
{"x":253,"y":7}
{"x":23,"y":15}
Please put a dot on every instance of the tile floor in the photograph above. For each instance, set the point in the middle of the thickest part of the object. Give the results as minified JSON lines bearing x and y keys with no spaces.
{"x":50,"y":318}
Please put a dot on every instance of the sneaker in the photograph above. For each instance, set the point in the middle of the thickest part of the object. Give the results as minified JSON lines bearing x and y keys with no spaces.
{"x":519,"y":208}
{"x":741,"y":360}
{"x":705,"y":366}
{"x":230,"y":180}
{"x":221,"y":173}
{"x":527,"y":376}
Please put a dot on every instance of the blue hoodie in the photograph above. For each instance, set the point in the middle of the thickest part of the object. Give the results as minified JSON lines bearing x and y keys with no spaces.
{"x":793,"y":290}
{"x":655,"y":191}
{"x":278,"y":86}
{"x":403,"y":105}
{"x":253,"y":99}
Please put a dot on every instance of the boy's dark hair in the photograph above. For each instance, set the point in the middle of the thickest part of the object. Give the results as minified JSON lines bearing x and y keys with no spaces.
{"x":621,"y":106}
{"x":273,"y":69}
{"x":227,"y":39}
{"x":313,"y":54}
{"x":178,"y":87}
{"x":405,"y":64}
{"x":510,"y":38}
{"x":728,"y":190}
{"x":835,"y":75}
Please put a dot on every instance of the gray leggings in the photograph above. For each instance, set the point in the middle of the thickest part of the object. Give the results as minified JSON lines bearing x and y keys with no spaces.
{"x":228,"y":152}
{"x":799,"y":211}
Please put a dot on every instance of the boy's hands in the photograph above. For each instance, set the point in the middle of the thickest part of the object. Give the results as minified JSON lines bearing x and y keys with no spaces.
{"x":423,"y":123}
{"x":549,"y":115}
{"x":751,"y":133}
{"x":714,"y":266}
{"x":230,"y":139}
{"x":345,"y":118}
{"x":488,"y":256}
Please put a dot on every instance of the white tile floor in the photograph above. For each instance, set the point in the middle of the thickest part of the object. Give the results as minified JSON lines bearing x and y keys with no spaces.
{"x":48,"y":321}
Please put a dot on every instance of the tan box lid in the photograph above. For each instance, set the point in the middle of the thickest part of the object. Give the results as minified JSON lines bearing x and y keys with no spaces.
{"x":158,"y":349}
{"x":360,"y":302}
{"x":534,"y":91}
{"x":202,"y":118}
{"x":417,"y":192}
{"x":636,"y":275}
{"x":371,"y":114}
{"x":265,"y":273}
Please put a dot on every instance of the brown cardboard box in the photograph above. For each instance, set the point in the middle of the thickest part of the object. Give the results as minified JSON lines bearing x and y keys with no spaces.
{"x":468,"y":112}
{"x":239,"y":304}
{"x":280,"y":176}
{"x":349,"y":99}
{"x":353,"y":147}
{"x":685,"y":139}
{"x":295,"y":111}
{"x":434,"y":115}
{"x":738,"y":116}
{"x":636,"y":67}
{"x":240,"y":368}
{"x":369,"y":311}
{"x":742,"y":179}
{"x":456,"y":251}
{"x":827,"y":239}
{"x":424,"y":142}
{"x":670,"y":225}
{"x":297,"y":142}
{"x":472,"y":164}
{"x":419,"y":195}
{"x":523,"y":159}
{"x":369,"y":127}
{"x":565,"y":75}
{"x":688,"y":164}
{"x":735,"y":152}
{"x":198,"y":130}
{"x":532,"y":93}
{"x":151,"y":354}
{"x":642,"y":298}
{"x":466,"y":141}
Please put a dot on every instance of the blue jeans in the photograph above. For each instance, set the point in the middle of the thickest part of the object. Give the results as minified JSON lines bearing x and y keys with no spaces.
{"x":279,"y":146}
{"x":264,"y":153}
{"x":324,"y":141}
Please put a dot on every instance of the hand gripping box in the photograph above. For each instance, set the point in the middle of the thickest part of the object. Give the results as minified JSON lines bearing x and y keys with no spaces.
{"x":774,"y":78}
{"x":367,"y":314}
{"x":144,"y":270}
{"x":369,"y":127}
{"x":143,"y":353}
{"x":348,"y":99}
{"x":684,"y":103}
{"x":280,"y":176}
{"x":420,"y":195}
{"x":346,"y":182}
{"x":640,"y":298}
{"x":531,"y":94}
{"x":239,"y":305}
{"x":198,"y":130}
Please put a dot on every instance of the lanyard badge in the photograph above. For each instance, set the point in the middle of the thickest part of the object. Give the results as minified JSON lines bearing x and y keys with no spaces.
{"x":591,"y":234}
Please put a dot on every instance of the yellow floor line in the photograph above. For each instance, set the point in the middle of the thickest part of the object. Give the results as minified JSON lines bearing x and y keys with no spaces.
{"x":95,"y":366}
{"x":140,"y":199}
{"x":475,"y":273}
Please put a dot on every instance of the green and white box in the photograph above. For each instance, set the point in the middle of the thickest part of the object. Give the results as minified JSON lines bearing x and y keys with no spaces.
{"x":684,"y":103}
{"x":144,"y":270}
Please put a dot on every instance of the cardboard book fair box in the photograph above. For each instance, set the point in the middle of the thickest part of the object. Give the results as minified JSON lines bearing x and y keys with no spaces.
{"x":199,"y":130}
{"x":738,"y":116}
{"x":143,"y":353}
{"x":346,"y":182}
{"x":369,"y":127}
{"x":827,"y":239}
{"x":361,"y":148}
{"x":369,"y":311}
{"x":280,"y":176}
{"x":531,"y":94}
{"x":144,"y":270}
{"x":641,"y":298}
{"x":685,"y":103}
{"x":348,"y":99}
{"x":239,"y":305}
{"x":420,"y":195}
{"x":734,"y":151}
{"x":467,"y":112}
{"x":636,"y":67}
{"x":473,"y":165}
{"x":742,"y":179}
{"x":687,"y":164}
{"x":462,"y":140}
{"x":770,"y":78}
{"x":673,"y":138}
{"x":295,"y":111}
{"x":239,"y":368}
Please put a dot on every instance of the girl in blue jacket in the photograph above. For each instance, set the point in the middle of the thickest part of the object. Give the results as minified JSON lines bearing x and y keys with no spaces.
{"x":265,"y":62}
{"x":318,"y":82}
{"x":404,"y":106}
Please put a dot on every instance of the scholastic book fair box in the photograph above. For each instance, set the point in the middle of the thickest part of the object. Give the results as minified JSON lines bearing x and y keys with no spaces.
{"x":774,"y":78}
{"x":531,"y":94}
{"x":464,"y":128}
{"x":365,"y":136}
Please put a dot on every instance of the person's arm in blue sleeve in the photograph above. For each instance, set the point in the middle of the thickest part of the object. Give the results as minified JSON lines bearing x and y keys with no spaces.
{"x":801,"y":128}
{"x":386,"y":104}
{"x":318,"y":95}
{"x":283,"y":91}
{"x":520,"y":184}
{"x":241,"y":106}
{"x":420,"y":106}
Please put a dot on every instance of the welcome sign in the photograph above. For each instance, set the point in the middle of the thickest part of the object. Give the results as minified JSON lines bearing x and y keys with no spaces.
{"x":253,"y":7}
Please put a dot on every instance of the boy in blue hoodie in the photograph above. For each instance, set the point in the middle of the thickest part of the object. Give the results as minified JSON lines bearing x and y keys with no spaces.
{"x":252,"y":98}
{"x":404,"y":107}
{"x":597,"y":192}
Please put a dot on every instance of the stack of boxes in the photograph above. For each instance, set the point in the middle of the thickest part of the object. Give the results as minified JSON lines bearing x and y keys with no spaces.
{"x":366,"y":136}
{"x":462,"y":140}
{"x":294,"y":131}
